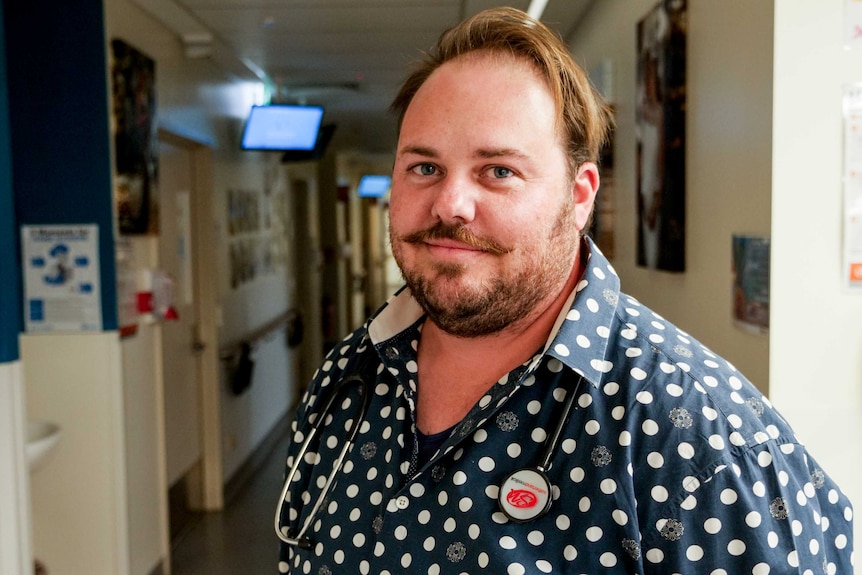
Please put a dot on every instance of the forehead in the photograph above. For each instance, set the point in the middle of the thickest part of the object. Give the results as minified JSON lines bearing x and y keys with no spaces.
{"x":486,"y":89}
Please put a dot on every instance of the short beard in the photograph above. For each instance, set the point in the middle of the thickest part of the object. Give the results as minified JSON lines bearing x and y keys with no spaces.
{"x":500,"y":302}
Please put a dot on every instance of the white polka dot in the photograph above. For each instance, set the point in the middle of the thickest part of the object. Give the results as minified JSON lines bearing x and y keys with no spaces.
{"x":625,"y":438}
{"x":563,"y":522}
{"x":689,"y":503}
{"x":544,"y":566}
{"x":584,"y":504}
{"x":570,"y":553}
{"x":670,"y":368}
{"x":486,"y":464}
{"x":709,"y":413}
{"x":796,"y":527}
{"x":760,"y":569}
{"x":465,"y":504}
{"x":736,"y":547}
{"x":359,"y":540}
{"x":659,"y":493}
{"x":608,"y":486}
{"x":514,"y":450}
{"x":583,"y":341}
{"x":728,"y":496}
{"x":621,"y":518}
{"x":753,"y":519}
{"x":608,"y":559}
{"x":694,"y":553}
{"x":764,"y":459}
{"x":618,"y":412}
{"x":841,"y":541}
{"x":429,"y":544}
{"x":716,"y":442}
{"x":685,"y":450}
{"x":638,"y":374}
{"x":594,"y":533}
{"x":793,"y":558}
{"x":508,"y":542}
{"x":655,"y":555}
{"x":515,"y":569}
{"x":655,"y":460}
{"x":712,"y":525}
{"x":536,"y":537}
{"x":644,"y":397}
{"x":759,"y":489}
{"x":735,"y":420}
{"x":592,"y":427}
{"x":649,"y":427}
{"x":561,"y":350}
{"x":772,"y":539}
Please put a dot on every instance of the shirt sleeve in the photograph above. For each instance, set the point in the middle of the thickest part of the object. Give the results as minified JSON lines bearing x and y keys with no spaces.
{"x":769,"y":510}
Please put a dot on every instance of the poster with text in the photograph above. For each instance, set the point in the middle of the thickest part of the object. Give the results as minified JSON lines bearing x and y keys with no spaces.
{"x":61,"y":278}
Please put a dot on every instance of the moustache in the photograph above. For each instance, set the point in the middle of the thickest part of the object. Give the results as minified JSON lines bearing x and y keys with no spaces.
{"x":459,"y":233}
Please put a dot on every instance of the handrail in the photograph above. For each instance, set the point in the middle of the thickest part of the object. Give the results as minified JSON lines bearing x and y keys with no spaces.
{"x":230,"y":350}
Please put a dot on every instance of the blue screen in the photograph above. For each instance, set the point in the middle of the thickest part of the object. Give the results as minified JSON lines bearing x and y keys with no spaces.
{"x":374,"y":186}
{"x":281,"y":127}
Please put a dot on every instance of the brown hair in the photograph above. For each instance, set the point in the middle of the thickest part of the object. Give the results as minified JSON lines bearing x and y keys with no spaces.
{"x":585,"y":117}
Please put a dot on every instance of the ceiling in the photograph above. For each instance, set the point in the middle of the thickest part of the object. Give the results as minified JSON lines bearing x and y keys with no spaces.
{"x":346,"y":55}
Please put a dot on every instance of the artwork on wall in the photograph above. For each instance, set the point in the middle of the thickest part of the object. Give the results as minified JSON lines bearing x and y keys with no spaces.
{"x":135,"y":140}
{"x":660,"y":125}
{"x":751,"y":283}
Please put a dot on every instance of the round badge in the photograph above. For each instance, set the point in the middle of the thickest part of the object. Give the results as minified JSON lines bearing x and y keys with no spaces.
{"x":525,"y":495}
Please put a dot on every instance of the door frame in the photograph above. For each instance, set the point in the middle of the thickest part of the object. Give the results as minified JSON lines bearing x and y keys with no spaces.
{"x":206,"y":486}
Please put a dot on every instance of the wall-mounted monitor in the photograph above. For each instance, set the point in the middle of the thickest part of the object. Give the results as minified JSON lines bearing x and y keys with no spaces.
{"x":281,"y":127}
{"x":323,"y":139}
{"x":373,"y":186}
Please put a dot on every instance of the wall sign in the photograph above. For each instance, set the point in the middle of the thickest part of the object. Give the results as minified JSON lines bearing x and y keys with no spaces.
{"x":61,"y":278}
{"x":852,"y":272}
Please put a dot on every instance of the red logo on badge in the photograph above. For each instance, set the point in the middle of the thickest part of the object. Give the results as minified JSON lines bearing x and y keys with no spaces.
{"x":522,"y":499}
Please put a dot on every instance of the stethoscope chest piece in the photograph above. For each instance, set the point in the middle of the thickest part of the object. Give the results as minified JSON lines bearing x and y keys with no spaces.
{"x":525,"y":495}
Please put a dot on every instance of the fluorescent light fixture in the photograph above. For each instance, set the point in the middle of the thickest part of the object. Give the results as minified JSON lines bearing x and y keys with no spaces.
{"x":537,"y":8}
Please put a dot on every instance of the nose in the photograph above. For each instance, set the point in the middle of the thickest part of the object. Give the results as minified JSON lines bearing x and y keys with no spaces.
{"x":454,"y":201}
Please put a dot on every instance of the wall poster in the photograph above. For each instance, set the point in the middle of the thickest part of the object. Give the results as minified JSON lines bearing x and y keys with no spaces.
{"x":135,"y":139}
{"x":852,"y":256}
{"x":751,"y":283}
{"x":61,"y":278}
{"x":660,"y":130}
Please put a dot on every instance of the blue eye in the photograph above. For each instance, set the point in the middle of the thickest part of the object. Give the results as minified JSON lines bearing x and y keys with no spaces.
{"x":501,"y":172}
{"x":426,"y":169}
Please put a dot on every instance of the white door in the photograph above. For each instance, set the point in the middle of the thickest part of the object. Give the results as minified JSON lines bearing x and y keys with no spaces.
{"x":180,"y":341}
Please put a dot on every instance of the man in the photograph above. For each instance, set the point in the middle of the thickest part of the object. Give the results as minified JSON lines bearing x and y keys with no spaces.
{"x":512,"y":348}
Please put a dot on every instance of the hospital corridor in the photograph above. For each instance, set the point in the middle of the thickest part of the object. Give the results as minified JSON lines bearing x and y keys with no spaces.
{"x":194,"y":211}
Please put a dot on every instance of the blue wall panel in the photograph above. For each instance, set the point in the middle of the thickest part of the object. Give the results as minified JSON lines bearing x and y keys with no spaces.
{"x":58,"y":102}
{"x":10,"y":323}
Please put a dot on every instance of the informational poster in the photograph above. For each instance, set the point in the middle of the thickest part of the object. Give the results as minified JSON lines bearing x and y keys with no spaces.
{"x":751,"y":283}
{"x":852,"y":260}
{"x":61,"y":278}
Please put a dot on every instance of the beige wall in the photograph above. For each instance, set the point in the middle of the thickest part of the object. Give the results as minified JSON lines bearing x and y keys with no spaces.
{"x":816,"y":358}
{"x":764,"y":156}
{"x":728,"y":179}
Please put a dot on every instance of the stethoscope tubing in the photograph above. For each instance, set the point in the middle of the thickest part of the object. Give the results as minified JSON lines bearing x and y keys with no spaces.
{"x":300,"y":539}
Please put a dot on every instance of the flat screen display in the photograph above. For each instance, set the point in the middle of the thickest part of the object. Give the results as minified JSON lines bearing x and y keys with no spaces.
{"x":280,"y":127}
{"x":374,"y":186}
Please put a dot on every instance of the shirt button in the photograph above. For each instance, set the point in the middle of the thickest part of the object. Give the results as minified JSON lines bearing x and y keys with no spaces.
{"x":402,"y":502}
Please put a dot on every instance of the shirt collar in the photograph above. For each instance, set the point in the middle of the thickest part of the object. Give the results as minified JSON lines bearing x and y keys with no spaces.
{"x":590,"y":308}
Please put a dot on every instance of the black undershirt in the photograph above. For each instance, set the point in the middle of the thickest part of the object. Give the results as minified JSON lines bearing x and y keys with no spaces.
{"x":429,"y":444}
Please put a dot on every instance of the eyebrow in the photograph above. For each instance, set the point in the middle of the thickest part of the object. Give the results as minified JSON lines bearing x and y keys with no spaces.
{"x":482,"y":153}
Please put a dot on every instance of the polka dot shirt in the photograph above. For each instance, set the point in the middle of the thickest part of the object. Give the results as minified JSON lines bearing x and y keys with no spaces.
{"x":670,"y":463}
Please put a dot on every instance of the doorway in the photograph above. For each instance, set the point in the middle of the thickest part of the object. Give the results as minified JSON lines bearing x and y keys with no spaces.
{"x":189,"y":336}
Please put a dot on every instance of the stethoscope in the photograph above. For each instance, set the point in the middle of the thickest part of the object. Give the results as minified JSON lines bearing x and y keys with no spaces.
{"x":525,"y":494}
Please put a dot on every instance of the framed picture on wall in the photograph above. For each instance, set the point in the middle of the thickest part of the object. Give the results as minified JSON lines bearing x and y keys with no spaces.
{"x":134,"y":108}
{"x":660,"y":127}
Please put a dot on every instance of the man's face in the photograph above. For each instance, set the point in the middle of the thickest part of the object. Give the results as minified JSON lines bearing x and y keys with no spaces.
{"x":484,"y":215}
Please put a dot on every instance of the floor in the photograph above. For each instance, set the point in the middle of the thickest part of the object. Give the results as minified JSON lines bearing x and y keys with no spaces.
{"x":239,"y":540}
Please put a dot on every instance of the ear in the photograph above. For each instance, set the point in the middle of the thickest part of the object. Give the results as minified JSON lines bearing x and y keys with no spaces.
{"x":584,"y":189}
